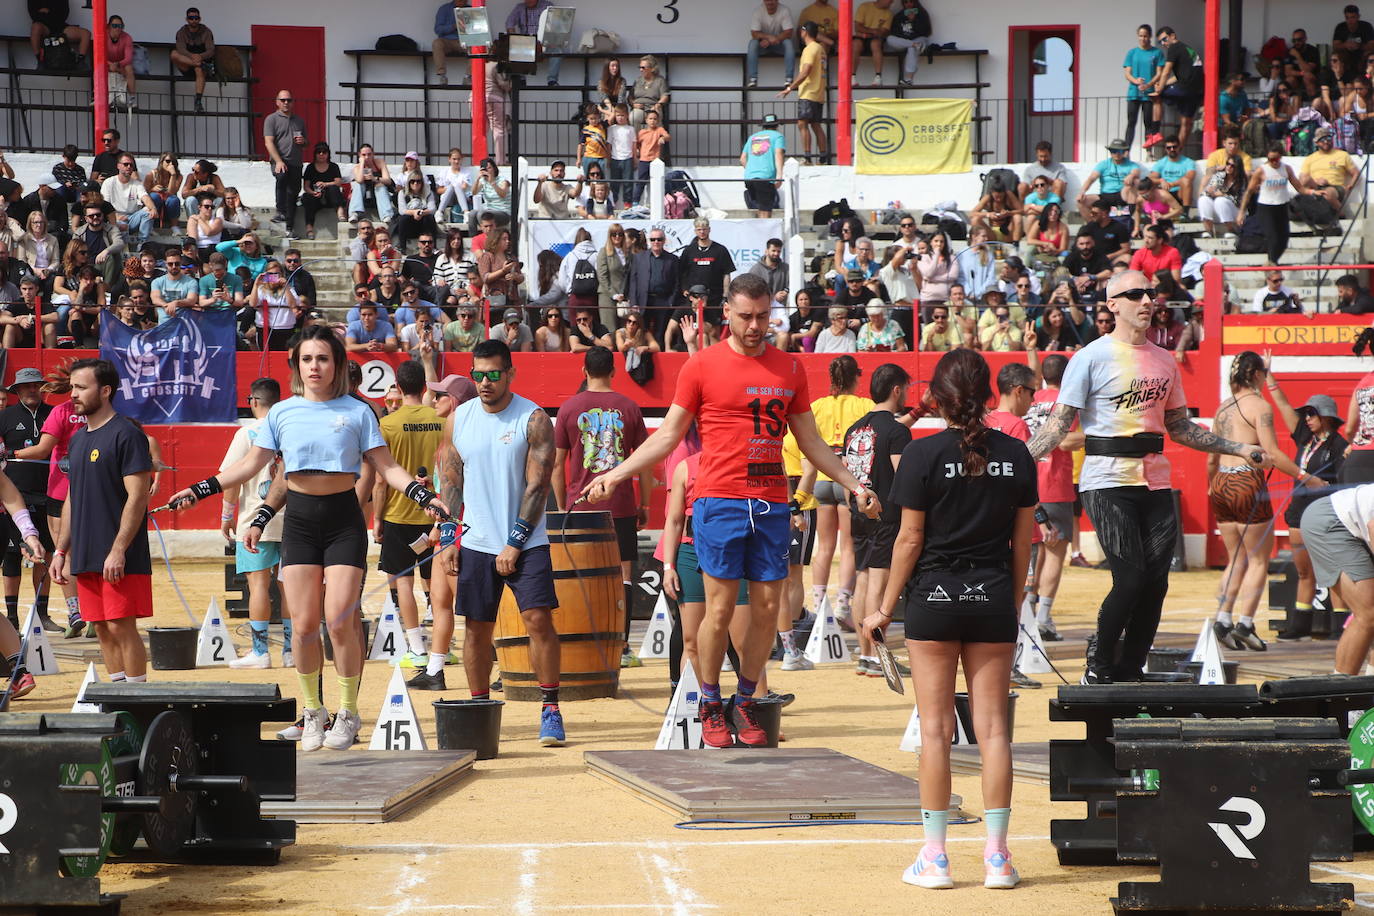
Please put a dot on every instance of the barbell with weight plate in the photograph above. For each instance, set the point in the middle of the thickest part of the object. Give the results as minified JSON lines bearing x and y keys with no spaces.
{"x":168,"y":785}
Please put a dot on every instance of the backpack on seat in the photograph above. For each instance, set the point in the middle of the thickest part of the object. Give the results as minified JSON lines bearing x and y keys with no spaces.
{"x":584,"y":282}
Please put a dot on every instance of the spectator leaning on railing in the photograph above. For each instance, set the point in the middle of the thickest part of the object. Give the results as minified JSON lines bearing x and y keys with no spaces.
{"x":26,"y":318}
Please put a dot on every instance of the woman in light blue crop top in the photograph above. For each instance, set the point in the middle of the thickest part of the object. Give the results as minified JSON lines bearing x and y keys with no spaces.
{"x":323,"y":436}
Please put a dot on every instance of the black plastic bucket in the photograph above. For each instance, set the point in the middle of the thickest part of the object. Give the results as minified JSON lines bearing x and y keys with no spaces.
{"x":1167,"y":659}
{"x":469,"y":725}
{"x":965,"y":714}
{"x":1229,"y":670}
{"x":172,"y":648}
{"x":769,"y":715}
{"x":329,"y":647}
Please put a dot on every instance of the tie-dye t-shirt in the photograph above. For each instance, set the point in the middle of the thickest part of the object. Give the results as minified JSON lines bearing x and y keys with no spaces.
{"x":1122,"y":390}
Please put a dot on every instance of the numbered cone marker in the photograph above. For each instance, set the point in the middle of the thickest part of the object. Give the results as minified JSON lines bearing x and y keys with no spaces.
{"x":398,"y":728}
{"x":40,"y":658}
{"x":826,"y":645}
{"x":682,"y":723}
{"x":1030,"y":655}
{"x":911,"y":738}
{"x":1213,"y":671}
{"x":214,"y":645}
{"x":390,"y":639}
{"x":80,"y":705}
{"x":1201,"y":643}
{"x":656,"y":638}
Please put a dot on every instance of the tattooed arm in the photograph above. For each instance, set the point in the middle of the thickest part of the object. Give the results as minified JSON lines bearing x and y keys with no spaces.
{"x":1055,"y":428}
{"x":1269,"y":441}
{"x":1185,"y":432}
{"x":448,"y":475}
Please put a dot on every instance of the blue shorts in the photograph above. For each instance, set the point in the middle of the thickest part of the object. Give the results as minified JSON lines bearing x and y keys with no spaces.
{"x":480,"y":586}
{"x":742,"y":538}
{"x":268,"y":555}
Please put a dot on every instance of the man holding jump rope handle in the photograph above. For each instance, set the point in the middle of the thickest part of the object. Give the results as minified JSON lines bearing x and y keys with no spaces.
{"x":744,"y":395}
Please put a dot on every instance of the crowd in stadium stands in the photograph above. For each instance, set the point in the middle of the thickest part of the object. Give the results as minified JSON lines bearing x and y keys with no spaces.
{"x":438,"y":268}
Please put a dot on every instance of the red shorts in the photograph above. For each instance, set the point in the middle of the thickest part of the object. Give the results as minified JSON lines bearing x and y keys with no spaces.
{"x":100,"y":600}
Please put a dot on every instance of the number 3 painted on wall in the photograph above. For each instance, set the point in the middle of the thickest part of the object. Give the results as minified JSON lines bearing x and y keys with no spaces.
{"x":670,"y":8}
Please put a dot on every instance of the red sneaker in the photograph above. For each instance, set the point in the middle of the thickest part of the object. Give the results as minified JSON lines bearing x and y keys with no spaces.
{"x":23,"y":686}
{"x":751,"y":734}
{"x":715,"y":730}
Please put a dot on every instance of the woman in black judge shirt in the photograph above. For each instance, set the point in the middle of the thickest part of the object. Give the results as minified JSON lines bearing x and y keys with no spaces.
{"x":968,"y":497}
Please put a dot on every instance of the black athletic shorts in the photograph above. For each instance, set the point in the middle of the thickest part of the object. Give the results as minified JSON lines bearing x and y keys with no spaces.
{"x":873,"y":540}
{"x":760,"y":194}
{"x":802,"y":542}
{"x":627,"y":537}
{"x":323,"y":531}
{"x":810,"y":111}
{"x":1113,"y":199}
{"x":55,"y":507}
{"x":398,"y":559}
{"x":973,"y":605}
{"x":13,"y":562}
{"x":480,"y":585}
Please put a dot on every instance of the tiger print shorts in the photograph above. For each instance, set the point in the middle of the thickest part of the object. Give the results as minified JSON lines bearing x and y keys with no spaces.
{"x":1239,"y":494}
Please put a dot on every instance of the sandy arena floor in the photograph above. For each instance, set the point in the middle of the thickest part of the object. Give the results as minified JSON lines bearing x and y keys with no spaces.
{"x":531,"y":832}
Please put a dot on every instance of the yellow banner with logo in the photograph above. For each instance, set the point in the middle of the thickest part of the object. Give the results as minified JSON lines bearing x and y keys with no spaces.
{"x":913,"y":136}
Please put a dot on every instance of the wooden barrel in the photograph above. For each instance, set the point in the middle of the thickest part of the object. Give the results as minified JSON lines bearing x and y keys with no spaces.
{"x":589,"y":619}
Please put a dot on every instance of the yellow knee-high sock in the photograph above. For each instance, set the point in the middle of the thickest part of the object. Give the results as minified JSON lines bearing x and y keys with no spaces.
{"x":348,"y":692}
{"x":310,"y":689}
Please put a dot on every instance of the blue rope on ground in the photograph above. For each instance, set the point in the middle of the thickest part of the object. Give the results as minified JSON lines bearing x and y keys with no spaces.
{"x":725,"y":824}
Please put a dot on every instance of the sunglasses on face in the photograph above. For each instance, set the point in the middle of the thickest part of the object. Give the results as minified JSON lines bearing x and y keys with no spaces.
{"x":491,"y":375}
{"x":1135,"y":295}
{"x":193,"y":19}
{"x":907,"y":225}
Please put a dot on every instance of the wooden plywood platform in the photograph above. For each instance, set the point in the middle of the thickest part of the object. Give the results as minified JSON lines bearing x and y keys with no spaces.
{"x":1030,"y":761}
{"x":762,"y":784}
{"x":368,"y":787}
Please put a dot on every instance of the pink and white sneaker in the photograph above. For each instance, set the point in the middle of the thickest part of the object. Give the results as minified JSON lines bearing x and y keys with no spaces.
{"x":999,"y":873}
{"x":929,"y":872}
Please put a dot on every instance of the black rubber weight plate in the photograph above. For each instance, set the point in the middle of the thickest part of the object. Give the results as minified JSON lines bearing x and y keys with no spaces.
{"x":168,"y":748}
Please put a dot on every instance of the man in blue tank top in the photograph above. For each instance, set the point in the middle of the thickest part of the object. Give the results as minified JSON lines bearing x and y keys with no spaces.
{"x":506,"y":443}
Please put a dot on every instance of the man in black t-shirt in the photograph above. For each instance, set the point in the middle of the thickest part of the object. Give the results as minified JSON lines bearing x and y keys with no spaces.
{"x":1113,"y":237}
{"x":104,"y":540}
{"x":1350,"y":36}
{"x":708,"y":263}
{"x":1087,"y":266}
{"x":587,"y":332}
{"x":1181,"y":80}
{"x":872,"y":447}
{"x":20,"y":426}
{"x":1350,"y":299}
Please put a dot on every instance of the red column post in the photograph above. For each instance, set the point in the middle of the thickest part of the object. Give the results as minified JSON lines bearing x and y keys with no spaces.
{"x":1211,"y":73}
{"x":479,"y":98}
{"x":844,"y":83}
{"x":100,"y":75}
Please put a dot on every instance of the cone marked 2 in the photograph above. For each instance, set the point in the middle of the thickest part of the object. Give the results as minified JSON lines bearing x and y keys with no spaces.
{"x":213,"y":644}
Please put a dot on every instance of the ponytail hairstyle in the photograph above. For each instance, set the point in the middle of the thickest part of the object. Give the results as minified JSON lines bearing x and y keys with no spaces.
{"x":844,"y":374}
{"x":1244,"y":368}
{"x":961,"y":386}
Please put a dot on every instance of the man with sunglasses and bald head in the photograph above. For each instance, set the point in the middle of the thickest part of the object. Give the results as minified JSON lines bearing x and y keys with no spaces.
{"x":1128,"y":394}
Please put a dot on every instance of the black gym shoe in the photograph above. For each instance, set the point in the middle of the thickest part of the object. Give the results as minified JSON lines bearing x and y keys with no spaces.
{"x":426,"y":681}
{"x":497,"y":686}
{"x":1021,"y":680}
{"x":1223,"y":633}
{"x":1091,"y":677}
{"x":50,"y":625}
{"x":1245,"y":635}
{"x":785,"y":699}
{"x":74,"y":627}
{"x":1300,"y":627}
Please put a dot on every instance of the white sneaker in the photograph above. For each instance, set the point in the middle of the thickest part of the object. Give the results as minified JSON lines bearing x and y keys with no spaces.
{"x":252,"y":660}
{"x":797,"y":661}
{"x":344,"y":731}
{"x":312,"y":730}
{"x":293,"y":731}
{"x":288,"y":659}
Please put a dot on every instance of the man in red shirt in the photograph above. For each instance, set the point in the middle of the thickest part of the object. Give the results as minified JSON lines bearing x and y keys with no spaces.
{"x":1057,"y":497}
{"x":1157,"y":255}
{"x":744,"y":395}
{"x":597,"y":429}
{"x":1015,"y":393}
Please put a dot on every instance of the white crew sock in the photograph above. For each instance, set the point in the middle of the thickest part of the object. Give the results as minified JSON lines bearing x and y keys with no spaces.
{"x":1042,"y":611}
{"x":415,"y":638}
{"x":437,"y":659}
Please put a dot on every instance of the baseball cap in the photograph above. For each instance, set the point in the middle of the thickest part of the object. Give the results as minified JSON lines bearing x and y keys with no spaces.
{"x":1323,"y":405}
{"x":29,"y":376}
{"x":770,"y":119}
{"x":697,"y":290}
{"x":458,"y":387}
{"x":51,"y":181}
{"x":854,"y":274}
{"x":413,"y":155}
{"x":1117,"y":144}
{"x":1323,"y":133}
{"x":511,"y":315}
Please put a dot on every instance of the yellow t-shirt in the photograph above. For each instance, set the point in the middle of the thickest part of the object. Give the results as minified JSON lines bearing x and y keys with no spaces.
{"x":1218,"y":160}
{"x":1334,"y":167}
{"x":812,"y":87}
{"x":935,"y":342}
{"x":836,"y":413}
{"x":413,"y":433}
{"x":827,"y":18}
{"x":791,"y":455}
{"x":871,"y":16}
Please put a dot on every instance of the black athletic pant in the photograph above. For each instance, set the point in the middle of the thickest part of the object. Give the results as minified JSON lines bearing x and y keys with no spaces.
{"x":1145,"y":108}
{"x":1274,"y":219}
{"x":1136,"y":528}
{"x":288,"y":189}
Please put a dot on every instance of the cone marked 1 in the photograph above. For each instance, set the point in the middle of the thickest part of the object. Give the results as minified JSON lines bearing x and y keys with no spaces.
{"x":826,"y":645}
{"x":39,"y":658}
{"x":660,"y":632}
{"x":390,"y":639}
{"x":682,"y":722}
{"x":398,"y":728}
{"x":1030,"y":655}
{"x":80,"y":704}
{"x":214,"y":646}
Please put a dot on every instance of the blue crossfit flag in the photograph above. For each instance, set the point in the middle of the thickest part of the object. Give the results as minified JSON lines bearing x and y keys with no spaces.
{"x":182,"y":371}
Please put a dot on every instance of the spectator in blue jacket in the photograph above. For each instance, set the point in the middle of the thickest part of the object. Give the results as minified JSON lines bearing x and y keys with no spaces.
{"x":446,"y":42}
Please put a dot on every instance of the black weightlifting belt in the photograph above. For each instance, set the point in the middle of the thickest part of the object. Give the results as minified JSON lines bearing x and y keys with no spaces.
{"x":1137,"y":446}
